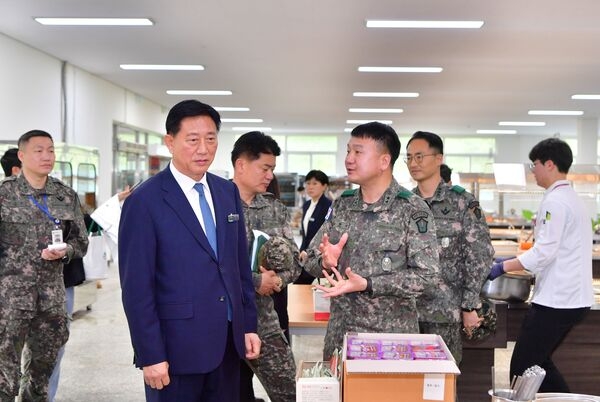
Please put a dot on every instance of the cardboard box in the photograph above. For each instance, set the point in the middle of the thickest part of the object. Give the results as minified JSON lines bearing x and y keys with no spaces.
{"x":399,"y":380}
{"x":316,"y":389}
{"x":321,"y":305}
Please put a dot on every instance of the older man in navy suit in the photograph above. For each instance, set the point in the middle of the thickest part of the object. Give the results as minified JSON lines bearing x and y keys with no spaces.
{"x":185,"y":273}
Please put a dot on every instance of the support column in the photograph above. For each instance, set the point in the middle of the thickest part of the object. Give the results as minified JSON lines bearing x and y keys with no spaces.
{"x":587,"y":141}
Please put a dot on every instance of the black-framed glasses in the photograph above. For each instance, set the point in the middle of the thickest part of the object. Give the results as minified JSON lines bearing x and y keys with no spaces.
{"x":418,"y":158}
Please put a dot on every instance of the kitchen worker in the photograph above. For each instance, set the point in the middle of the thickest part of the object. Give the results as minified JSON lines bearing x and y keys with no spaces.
{"x":464,"y":243}
{"x":41,"y":228}
{"x":377,"y":247}
{"x":560,"y":259}
{"x":254,"y":157}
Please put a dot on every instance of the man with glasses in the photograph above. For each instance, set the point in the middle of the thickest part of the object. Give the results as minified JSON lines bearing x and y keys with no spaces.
{"x":560,"y":259}
{"x":464,"y":246}
{"x":377,"y":246}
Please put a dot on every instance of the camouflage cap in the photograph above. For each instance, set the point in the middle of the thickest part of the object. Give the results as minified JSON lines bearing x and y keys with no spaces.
{"x":488,"y":325}
{"x":276,"y":254}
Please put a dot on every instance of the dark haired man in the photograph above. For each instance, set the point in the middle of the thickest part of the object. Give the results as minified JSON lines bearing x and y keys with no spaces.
{"x":10,"y":162}
{"x":560,"y":259}
{"x":41,"y":228}
{"x":253,"y":158}
{"x":377,"y":248}
{"x":185,"y":274}
{"x":464,"y":243}
{"x":446,"y":173}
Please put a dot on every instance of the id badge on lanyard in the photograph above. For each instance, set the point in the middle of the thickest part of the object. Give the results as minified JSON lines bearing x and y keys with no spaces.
{"x":57,"y":234}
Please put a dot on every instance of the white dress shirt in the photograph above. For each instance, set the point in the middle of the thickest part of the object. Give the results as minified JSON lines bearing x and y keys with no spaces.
{"x":308,"y":215}
{"x":561,"y":257}
{"x":187,"y":186}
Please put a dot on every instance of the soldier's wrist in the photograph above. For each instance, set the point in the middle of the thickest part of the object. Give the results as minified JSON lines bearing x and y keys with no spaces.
{"x":369,"y":288}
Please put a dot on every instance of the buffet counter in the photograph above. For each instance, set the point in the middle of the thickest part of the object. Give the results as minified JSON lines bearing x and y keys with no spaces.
{"x":578,"y":358}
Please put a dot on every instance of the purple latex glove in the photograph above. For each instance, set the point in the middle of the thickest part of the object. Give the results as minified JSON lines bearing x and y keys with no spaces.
{"x":497,"y":270}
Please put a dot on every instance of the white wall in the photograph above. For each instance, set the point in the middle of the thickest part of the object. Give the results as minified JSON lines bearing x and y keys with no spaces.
{"x":30,"y":97}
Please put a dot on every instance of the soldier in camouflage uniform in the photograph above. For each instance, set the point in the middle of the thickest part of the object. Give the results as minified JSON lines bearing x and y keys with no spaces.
{"x":32,"y":293}
{"x":386,"y":252}
{"x":253,"y":158}
{"x":464,"y":245}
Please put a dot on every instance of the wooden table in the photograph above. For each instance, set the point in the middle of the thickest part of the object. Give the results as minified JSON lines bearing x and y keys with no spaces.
{"x":301,"y":312}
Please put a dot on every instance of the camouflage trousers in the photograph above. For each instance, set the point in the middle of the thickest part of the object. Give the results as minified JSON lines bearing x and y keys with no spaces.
{"x":275,"y":368}
{"x":44,"y":333}
{"x":450,"y":333}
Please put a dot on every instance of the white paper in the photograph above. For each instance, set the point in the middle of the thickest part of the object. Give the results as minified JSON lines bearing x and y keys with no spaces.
{"x":433,"y":387}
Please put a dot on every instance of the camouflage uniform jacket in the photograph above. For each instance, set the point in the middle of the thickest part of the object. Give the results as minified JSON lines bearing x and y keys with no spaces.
{"x":392,"y":242}
{"x":465,"y":251}
{"x":27,"y":281}
{"x":269,"y":215}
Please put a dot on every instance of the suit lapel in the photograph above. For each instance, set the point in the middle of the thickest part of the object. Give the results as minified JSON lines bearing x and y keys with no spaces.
{"x":175,"y":198}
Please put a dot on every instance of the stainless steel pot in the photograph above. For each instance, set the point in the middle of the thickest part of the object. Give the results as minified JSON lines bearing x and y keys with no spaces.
{"x":510,"y":287}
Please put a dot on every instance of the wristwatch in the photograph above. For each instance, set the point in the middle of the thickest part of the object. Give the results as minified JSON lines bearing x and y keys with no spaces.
{"x":467,"y":310}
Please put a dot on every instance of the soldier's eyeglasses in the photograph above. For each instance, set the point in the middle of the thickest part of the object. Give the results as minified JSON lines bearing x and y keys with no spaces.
{"x":418,"y":158}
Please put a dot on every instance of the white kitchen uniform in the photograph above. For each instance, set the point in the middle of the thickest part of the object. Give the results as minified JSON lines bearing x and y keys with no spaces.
{"x":561,"y":257}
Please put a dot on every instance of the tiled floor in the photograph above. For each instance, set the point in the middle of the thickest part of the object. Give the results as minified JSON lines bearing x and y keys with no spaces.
{"x":97,"y":366}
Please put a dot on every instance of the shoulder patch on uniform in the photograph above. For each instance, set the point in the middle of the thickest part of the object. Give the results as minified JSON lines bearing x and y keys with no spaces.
{"x":349,"y":193}
{"x":421,"y":219}
{"x":475,"y":208}
{"x":404,"y":194}
{"x":458,"y":189}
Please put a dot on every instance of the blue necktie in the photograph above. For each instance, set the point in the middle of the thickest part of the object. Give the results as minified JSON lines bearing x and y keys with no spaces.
{"x":211,"y":233}
{"x":209,"y":224}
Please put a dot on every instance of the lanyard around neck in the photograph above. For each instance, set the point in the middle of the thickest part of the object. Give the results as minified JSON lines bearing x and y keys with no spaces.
{"x":44,"y":208}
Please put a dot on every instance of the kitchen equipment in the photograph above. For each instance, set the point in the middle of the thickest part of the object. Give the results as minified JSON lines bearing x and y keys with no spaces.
{"x":562,"y":397}
{"x":511,"y":287}
{"x":504,"y":395}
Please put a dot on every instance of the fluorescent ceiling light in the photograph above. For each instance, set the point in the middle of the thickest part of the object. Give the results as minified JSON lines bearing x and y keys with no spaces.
{"x":423,"y":24}
{"x":196,"y":92}
{"x":371,"y":110}
{"x":556,"y":112}
{"x":365,"y":69}
{"x":522,"y":123}
{"x":242,"y":120}
{"x":251,"y":128}
{"x":587,"y":97}
{"x":231,"y":109}
{"x":496,"y":131}
{"x":166,"y":67}
{"x":387,"y":94}
{"x":367,"y":121}
{"x":95,"y":21}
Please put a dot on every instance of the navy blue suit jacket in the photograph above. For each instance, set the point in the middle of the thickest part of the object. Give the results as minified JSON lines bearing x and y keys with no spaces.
{"x":316,"y":220}
{"x":173,"y":286}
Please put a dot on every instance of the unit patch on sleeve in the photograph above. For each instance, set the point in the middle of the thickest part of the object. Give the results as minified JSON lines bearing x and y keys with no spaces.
{"x":475,"y":208}
{"x":420,"y":218}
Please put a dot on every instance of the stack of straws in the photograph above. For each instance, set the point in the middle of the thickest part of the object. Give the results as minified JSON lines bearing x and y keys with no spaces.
{"x":526,"y":386}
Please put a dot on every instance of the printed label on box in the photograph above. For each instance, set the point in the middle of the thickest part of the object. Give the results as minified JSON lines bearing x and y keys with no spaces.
{"x":433,"y":387}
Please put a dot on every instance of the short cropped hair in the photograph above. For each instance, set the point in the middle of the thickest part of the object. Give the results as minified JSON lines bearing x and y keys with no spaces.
{"x":318,"y":175}
{"x":252,"y":144}
{"x":24,"y":139}
{"x":381,"y":133}
{"x":555,"y":150}
{"x":189,"y":108}
{"x":434,"y":140}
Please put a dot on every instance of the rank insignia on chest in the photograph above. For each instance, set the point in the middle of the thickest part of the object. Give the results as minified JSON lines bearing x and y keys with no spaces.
{"x":445,"y":211}
{"x":386,"y":264}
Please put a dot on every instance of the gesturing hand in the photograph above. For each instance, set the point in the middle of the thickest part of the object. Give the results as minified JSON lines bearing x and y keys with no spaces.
{"x":330,"y":253}
{"x":354,"y":283}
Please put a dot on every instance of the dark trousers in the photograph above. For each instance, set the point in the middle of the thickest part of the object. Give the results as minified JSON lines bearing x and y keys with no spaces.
{"x":221,"y":384}
{"x":280,"y":303}
{"x":246,"y":387}
{"x":542,"y":332}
